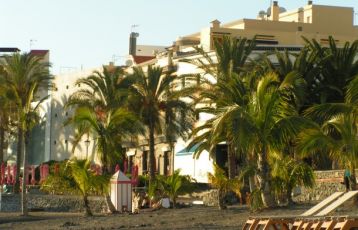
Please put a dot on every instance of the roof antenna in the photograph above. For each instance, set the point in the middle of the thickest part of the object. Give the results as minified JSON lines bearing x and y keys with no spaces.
{"x":32,"y":41}
{"x":134,"y":26}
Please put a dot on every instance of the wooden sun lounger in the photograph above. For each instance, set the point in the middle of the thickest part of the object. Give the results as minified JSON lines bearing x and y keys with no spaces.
{"x":250,"y":224}
{"x":316,"y":225}
{"x":328,"y":225}
{"x":322,"y":204}
{"x":337,"y":203}
{"x":274,"y":224}
{"x":262,"y":223}
{"x":347,"y":224}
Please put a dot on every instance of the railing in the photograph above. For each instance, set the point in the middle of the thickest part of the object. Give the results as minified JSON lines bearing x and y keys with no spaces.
{"x":8,"y":173}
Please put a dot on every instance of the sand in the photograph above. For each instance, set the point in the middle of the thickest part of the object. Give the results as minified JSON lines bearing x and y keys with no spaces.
{"x":196,"y":217}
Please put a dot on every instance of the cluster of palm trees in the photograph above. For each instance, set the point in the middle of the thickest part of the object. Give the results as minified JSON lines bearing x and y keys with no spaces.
{"x":116,"y":106}
{"x":272,"y":114}
{"x":275,"y":110}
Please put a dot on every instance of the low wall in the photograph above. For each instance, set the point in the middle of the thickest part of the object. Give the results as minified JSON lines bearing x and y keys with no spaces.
{"x":327,"y":182}
{"x":51,"y":203}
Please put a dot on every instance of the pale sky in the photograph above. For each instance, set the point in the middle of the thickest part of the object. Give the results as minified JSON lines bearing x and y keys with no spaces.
{"x":88,"y":33}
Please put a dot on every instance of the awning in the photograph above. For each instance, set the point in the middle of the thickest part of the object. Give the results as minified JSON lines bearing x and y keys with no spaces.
{"x":185,"y":151}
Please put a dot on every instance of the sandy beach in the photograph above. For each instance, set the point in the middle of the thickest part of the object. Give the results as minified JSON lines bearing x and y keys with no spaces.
{"x":196,"y":217}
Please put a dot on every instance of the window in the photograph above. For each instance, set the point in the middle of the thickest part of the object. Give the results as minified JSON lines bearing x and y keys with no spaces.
{"x":66,"y":141}
{"x":299,"y":28}
{"x":145,"y":162}
{"x":66,"y":113}
{"x":308,"y":19}
{"x":55,"y":114}
{"x":55,"y":142}
{"x":67,"y":86}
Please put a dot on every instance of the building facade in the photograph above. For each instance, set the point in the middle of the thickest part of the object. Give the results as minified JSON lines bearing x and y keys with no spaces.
{"x":274,"y":29}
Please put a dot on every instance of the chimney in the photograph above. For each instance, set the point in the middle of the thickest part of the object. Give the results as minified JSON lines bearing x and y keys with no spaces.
{"x":310,"y":2}
{"x":133,"y":43}
{"x":275,"y":11}
{"x":215,"y":24}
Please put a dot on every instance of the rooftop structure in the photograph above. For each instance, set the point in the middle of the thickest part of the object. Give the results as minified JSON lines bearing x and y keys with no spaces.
{"x":280,"y":27}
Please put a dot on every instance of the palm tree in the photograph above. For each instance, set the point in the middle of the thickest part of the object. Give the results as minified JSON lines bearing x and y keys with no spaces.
{"x":160,"y":107}
{"x":288,"y":173}
{"x":99,"y":104}
{"x":338,"y":65}
{"x":336,"y":132}
{"x":227,"y":67}
{"x":86,"y":180}
{"x":6,"y":115}
{"x":99,"y":112}
{"x":25,"y":75}
{"x":265,"y":123}
{"x":223,"y":184}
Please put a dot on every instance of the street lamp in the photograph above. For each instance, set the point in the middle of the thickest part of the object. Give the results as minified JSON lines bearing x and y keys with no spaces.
{"x":87,"y":143}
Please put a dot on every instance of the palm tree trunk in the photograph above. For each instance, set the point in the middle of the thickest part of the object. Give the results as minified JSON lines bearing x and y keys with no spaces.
{"x":353,"y":180}
{"x":264,"y":177}
{"x":110,"y":205}
{"x":231,"y":161}
{"x":289,"y":196}
{"x":19,"y":153}
{"x":2,"y":144}
{"x":88,"y":211}
{"x":107,"y":197}
{"x":23,"y":192}
{"x":151,"y":152}
{"x":174,"y":199}
{"x":221,"y":197}
{"x":172,"y":157}
{"x":252,"y":185}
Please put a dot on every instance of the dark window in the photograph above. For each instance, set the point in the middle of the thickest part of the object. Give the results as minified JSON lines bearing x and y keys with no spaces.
{"x":67,"y":86}
{"x":145,"y":161}
{"x":300,"y":28}
{"x":55,"y":114}
{"x":66,"y":141}
{"x":55,"y":142}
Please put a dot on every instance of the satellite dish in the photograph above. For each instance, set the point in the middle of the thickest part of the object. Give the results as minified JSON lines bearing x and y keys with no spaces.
{"x":129,"y":62}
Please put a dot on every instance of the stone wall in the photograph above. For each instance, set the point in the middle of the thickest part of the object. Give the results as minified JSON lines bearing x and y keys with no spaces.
{"x":327,"y":182}
{"x":51,"y":203}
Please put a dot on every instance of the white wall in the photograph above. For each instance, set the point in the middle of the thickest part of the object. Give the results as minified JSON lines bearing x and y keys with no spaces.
{"x":63,"y":135}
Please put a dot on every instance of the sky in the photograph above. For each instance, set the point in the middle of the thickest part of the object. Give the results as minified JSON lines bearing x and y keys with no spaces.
{"x":90,"y":33}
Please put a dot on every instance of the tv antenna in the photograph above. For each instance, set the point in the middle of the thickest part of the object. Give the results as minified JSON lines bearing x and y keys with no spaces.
{"x":32,"y":42}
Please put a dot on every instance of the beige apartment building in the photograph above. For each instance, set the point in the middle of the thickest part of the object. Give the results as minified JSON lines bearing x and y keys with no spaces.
{"x":279,"y":27}
{"x":275,"y":28}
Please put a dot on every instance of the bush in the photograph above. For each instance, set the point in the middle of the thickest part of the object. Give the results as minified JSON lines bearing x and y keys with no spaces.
{"x":170,"y":186}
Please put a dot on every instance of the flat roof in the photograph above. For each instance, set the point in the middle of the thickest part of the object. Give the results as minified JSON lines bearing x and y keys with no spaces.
{"x":9,"y":49}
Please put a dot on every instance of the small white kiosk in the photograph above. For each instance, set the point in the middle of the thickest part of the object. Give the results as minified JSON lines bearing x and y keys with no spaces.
{"x":121,"y":192}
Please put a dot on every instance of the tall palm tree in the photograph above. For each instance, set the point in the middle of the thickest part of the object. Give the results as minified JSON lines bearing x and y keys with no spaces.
{"x":100,"y":111}
{"x":25,"y":75}
{"x":227,"y":67}
{"x":265,"y":123}
{"x":160,"y":106}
